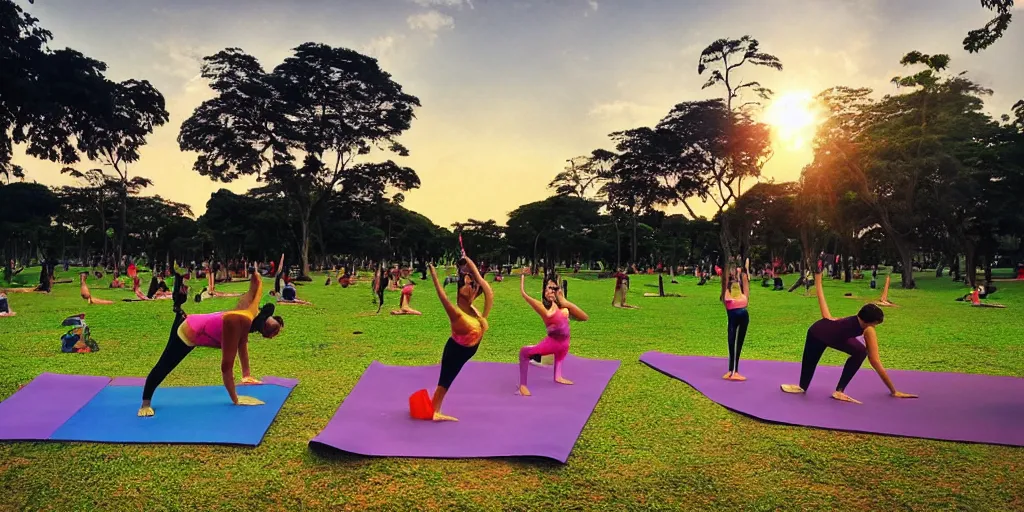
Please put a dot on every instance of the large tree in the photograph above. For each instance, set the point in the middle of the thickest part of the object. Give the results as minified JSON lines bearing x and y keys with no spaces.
{"x":47,"y":97}
{"x":899,"y":151}
{"x":302,"y":127}
{"x":739,"y":148}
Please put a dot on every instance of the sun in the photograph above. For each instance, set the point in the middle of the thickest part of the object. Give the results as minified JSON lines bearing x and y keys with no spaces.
{"x":793,"y":117}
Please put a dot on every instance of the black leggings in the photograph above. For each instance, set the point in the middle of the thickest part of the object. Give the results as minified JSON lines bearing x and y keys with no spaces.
{"x":174,"y":353}
{"x":739,"y":319}
{"x":453,"y":358}
{"x":813,"y":350}
{"x":382,"y":285}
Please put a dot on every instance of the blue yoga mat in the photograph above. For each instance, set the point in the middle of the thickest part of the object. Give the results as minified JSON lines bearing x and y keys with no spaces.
{"x":184,"y":415}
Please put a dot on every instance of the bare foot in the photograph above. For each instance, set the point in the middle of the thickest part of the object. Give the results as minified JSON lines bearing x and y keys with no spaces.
{"x":737,"y":377}
{"x":792,"y":388}
{"x":145,"y":412}
{"x":727,"y":376}
{"x":441,"y":417}
{"x":524,"y":391}
{"x":843,"y":397}
{"x":562,"y":380}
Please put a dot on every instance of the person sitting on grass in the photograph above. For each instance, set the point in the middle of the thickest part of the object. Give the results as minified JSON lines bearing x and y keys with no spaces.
{"x":5,"y":307}
{"x":405,"y":300}
{"x":84,"y":289}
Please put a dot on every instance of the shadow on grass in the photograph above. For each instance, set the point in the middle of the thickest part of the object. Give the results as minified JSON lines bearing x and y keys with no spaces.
{"x":330,"y":454}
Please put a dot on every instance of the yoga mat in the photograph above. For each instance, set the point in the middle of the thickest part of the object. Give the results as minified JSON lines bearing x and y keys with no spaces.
{"x":35,"y":411}
{"x":494,"y":420}
{"x":952,"y":407}
{"x":184,"y":415}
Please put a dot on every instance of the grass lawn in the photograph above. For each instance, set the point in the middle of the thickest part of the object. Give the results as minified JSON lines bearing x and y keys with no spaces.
{"x":652,"y":443}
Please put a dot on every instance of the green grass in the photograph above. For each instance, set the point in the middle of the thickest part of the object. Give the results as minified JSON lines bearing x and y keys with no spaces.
{"x":652,"y":443}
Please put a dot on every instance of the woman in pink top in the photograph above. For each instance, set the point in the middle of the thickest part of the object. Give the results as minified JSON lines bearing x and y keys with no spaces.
{"x":555,"y":310}
{"x":736,"y":309}
{"x":404,"y":302}
{"x":226,"y":330}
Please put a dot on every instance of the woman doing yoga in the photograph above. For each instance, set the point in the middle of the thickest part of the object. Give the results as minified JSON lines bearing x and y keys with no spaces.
{"x":555,"y":310}
{"x":288,"y":294}
{"x":736,"y":310}
{"x":87,"y":295}
{"x":404,"y":302}
{"x":468,"y":327}
{"x":841,"y":334}
{"x":225,"y":330}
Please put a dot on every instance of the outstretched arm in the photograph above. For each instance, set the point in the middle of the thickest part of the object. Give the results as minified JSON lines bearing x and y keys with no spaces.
{"x":488,"y":293}
{"x":439,"y":288}
{"x":534,"y":303}
{"x":250,"y":301}
{"x":871,"y":341}
{"x":574,"y":310}
{"x":822,"y":305}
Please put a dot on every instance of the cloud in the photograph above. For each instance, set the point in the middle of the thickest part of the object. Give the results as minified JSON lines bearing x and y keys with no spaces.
{"x":444,"y":3}
{"x":592,"y":6}
{"x":625,"y":112}
{"x":180,"y":60}
{"x":382,"y":46}
{"x":430,"y":22}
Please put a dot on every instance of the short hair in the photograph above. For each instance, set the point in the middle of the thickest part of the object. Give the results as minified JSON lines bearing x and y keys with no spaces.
{"x":279,"y":320}
{"x":871,"y":314}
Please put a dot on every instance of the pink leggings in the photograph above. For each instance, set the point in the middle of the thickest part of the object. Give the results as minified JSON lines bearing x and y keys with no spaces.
{"x":547,"y":346}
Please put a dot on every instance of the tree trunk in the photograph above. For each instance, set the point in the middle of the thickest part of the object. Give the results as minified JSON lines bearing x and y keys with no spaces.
{"x":988,"y":268}
{"x":954,"y":266}
{"x":618,"y":245}
{"x":907,"y":256}
{"x":304,"y":252}
{"x":970,"y":265}
{"x":634,"y":241}
{"x":124,"y":220}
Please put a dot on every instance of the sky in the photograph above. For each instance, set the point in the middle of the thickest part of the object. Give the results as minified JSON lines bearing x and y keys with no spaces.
{"x":511,"y":89}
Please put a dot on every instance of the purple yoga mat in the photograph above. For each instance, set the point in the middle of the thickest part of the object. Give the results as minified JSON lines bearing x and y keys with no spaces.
{"x":37,"y":410}
{"x":494,"y":420}
{"x":952,"y":406}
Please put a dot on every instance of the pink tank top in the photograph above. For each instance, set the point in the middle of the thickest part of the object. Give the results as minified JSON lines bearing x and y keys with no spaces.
{"x":732,"y":303}
{"x":558,"y":326}
{"x":207,"y":330}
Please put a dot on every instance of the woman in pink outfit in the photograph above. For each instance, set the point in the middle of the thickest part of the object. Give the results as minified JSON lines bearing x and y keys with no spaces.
{"x":555,"y":310}
{"x":736,"y":309}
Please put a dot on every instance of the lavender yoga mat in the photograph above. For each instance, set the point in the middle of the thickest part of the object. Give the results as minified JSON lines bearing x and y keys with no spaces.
{"x":952,"y":406}
{"x":494,"y":420}
{"x":37,"y":410}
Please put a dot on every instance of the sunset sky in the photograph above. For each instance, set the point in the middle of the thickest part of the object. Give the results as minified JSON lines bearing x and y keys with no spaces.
{"x":512,"y":88}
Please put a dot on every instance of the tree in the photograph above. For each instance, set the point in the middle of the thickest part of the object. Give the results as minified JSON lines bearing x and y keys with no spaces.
{"x":982,"y":38}
{"x":631,"y":182}
{"x":130,"y":111}
{"x":26,"y":213}
{"x":322,"y":107}
{"x":582,"y":174}
{"x":745,"y":148}
{"x":561,"y":222}
{"x":898,"y":149}
{"x":47,"y":97}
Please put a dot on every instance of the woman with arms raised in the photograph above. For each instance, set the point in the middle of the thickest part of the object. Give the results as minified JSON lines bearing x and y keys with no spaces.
{"x":468,"y":327}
